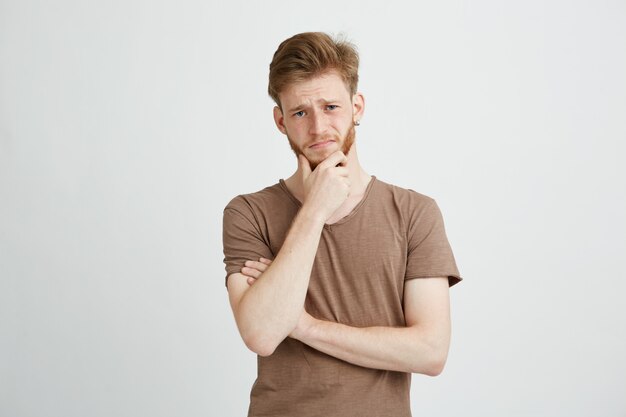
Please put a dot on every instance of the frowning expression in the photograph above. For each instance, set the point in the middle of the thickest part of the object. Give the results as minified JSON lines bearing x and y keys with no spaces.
{"x":318,"y":116}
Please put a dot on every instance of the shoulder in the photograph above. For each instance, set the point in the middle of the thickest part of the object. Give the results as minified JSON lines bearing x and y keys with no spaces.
{"x":262,"y":200}
{"x":406,"y":199}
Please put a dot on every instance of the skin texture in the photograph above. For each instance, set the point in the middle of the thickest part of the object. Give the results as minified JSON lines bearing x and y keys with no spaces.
{"x":267,"y":297}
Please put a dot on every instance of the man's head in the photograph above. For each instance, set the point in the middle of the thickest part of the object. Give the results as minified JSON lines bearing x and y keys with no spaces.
{"x":313,"y":80}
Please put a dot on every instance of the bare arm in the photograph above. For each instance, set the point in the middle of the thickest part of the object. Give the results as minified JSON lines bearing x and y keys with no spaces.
{"x":269,"y":311}
{"x":419,"y":347}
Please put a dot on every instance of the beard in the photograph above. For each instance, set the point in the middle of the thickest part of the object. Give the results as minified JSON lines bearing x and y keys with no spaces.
{"x":346,"y":145}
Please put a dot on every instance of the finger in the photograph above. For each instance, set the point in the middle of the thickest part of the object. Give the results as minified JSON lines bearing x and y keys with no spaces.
{"x":256,"y":265}
{"x":251,"y":272}
{"x":265,"y":261}
{"x":342,"y":171}
{"x":304,"y":166}
{"x":251,"y":281}
{"x":336,"y":158}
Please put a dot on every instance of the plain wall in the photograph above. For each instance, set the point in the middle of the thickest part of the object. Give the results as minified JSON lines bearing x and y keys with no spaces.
{"x":126,"y":127}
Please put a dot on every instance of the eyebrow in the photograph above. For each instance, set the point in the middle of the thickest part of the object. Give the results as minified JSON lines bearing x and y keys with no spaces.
{"x":301,"y":106}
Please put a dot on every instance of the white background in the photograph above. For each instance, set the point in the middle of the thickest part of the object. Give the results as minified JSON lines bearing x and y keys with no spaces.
{"x":126,"y":127}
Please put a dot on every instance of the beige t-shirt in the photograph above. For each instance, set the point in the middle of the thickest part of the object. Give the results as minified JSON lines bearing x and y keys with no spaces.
{"x":358,"y":275}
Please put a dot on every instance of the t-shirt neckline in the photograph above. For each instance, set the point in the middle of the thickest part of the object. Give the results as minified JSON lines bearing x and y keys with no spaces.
{"x":344,"y":219}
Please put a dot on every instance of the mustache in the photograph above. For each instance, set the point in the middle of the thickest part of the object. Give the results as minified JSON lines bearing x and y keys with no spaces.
{"x":323,"y":139}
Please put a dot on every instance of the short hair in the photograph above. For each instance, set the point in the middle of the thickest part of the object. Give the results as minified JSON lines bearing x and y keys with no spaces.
{"x":309,"y":54}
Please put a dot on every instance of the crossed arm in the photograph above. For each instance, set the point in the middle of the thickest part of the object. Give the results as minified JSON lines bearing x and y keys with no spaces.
{"x":419,"y":347}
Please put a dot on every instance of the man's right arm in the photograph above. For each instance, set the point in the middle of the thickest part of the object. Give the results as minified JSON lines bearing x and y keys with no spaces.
{"x":267,"y":312}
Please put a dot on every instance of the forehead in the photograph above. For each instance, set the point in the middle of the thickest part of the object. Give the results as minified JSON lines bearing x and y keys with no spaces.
{"x":328,"y":85}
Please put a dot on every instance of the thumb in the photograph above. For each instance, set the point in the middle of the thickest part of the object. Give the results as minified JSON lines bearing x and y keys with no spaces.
{"x":304,"y":166}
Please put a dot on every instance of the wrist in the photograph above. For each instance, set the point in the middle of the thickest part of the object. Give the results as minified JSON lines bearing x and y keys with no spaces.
{"x":306,"y":328}
{"x":310,"y":327}
{"x":313,"y":216}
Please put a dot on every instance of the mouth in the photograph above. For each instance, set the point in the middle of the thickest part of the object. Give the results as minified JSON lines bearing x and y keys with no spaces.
{"x":321,"y":144}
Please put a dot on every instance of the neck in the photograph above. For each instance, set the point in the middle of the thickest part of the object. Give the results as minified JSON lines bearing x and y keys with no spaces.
{"x":359,"y":179}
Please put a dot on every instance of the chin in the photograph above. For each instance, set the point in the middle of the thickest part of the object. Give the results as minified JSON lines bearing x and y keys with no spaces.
{"x":319,"y":157}
{"x":315,"y":162}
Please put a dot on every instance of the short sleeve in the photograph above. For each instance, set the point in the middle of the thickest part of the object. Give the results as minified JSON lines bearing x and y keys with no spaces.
{"x":242,"y":237}
{"x":429,"y":253}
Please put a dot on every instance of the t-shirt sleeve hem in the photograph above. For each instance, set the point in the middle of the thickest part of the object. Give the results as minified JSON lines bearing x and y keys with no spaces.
{"x":453,"y":279}
{"x":228,"y":274}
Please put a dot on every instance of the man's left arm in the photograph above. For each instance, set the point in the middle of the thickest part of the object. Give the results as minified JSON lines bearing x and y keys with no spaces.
{"x":419,"y":347}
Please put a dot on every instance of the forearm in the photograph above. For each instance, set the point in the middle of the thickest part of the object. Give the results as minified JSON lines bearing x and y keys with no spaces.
{"x":270,"y":309}
{"x":405,"y":349}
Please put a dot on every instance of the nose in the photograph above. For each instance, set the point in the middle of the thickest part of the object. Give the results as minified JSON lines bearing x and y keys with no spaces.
{"x":318,"y":124}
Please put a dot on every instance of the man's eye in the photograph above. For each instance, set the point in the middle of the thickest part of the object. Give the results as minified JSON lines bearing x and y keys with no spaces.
{"x":299,"y":114}
{"x":331,"y":107}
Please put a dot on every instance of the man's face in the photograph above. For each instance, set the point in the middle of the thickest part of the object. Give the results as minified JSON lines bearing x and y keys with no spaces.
{"x":318,"y":117}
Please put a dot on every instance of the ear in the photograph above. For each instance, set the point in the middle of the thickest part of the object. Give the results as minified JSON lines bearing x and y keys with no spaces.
{"x":358,"y":106}
{"x":279,"y":120}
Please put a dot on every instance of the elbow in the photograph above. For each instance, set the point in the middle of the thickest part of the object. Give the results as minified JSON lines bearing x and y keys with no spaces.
{"x":435,"y":367}
{"x":434,"y":356}
{"x":262,"y":350}
{"x":262,"y":340}
{"x":431,"y":368}
{"x":260,"y":345}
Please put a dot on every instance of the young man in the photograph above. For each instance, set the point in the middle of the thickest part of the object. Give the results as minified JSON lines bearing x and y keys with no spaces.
{"x":337,"y":280}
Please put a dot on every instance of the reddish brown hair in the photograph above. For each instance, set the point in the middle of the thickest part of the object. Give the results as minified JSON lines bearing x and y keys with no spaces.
{"x":309,"y":54}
